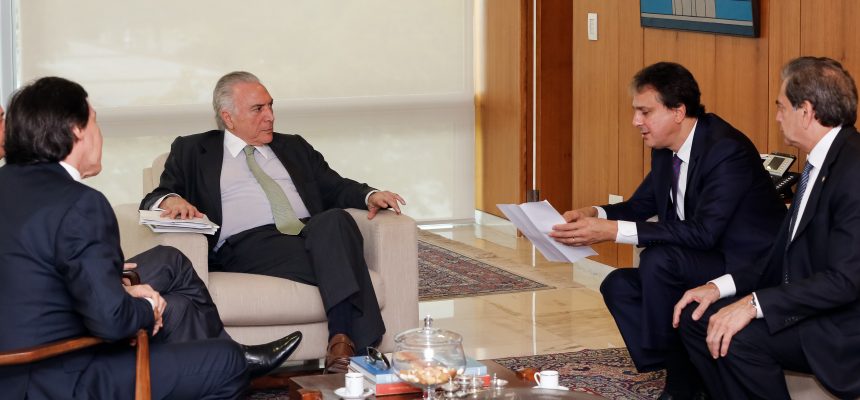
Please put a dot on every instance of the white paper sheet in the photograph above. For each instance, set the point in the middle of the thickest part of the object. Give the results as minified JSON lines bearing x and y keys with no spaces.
{"x":535,"y":220}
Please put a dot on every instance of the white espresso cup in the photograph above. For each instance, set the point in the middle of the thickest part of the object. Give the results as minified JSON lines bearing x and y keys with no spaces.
{"x":547,"y":378}
{"x":354,"y":383}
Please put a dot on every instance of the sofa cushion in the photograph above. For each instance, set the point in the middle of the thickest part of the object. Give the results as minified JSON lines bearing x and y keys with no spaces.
{"x":259,"y":300}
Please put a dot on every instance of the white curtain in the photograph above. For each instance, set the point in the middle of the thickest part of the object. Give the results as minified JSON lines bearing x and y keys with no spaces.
{"x":383,"y":88}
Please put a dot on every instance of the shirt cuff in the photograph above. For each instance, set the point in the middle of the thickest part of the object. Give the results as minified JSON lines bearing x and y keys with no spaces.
{"x":151,"y":302}
{"x":367,"y":197}
{"x":759,"y":314}
{"x":726,"y":285}
{"x":627,"y":233}
{"x":155,"y":206}
{"x":601,"y":213}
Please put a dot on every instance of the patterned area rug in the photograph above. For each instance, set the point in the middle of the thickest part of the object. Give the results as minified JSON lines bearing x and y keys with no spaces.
{"x":449,"y":269}
{"x":605,"y":372}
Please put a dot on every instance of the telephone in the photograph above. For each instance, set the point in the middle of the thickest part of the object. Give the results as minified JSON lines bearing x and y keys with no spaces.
{"x":777,"y":164}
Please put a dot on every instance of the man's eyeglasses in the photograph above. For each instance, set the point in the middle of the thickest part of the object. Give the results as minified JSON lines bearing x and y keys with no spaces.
{"x":377,"y":359}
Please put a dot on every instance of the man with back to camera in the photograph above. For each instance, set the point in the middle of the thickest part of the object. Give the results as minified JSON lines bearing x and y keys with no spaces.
{"x":717,"y":211}
{"x":189,"y":313}
{"x":280,"y":208}
{"x":61,"y":263}
{"x":798,"y":309}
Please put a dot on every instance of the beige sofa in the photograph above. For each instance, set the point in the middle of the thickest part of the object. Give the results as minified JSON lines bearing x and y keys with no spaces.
{"x":256,"y":309}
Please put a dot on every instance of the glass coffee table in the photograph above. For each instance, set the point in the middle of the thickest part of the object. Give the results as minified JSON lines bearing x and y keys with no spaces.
{"x":515,"y":389}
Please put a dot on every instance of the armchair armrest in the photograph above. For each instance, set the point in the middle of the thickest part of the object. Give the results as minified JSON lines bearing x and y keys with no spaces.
{"x":136,"y":238}
{"x":391,"y":249}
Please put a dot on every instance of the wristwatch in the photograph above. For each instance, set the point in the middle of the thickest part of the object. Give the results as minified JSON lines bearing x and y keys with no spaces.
{"x":754,"y":305}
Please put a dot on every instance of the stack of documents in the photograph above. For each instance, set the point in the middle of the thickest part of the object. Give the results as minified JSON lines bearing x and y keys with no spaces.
{"x":535,"y":221}
{"x":157,"y":223}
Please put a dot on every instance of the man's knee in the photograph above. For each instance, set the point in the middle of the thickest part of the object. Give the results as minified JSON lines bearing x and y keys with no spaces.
{"x":335,"y":215}
{"x":658,"y":258}
{"x":618,"y":283}
{"x":334,"y":220}
{"x":745,"y":344}
{"x":690,"y":329}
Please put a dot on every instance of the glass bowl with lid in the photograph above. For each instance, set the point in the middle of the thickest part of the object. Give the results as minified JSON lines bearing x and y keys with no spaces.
{"x":428,"y":357}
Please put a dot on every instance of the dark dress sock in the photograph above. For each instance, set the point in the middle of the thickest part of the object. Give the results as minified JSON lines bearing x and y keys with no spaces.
{"x":339,"y":318}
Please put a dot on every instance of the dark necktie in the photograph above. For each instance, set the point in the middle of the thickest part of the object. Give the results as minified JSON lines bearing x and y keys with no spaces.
{"x":795,"y":205}
{"x":795,"y":211}
{"x":676,"y":174}
{"x":285,"y":217}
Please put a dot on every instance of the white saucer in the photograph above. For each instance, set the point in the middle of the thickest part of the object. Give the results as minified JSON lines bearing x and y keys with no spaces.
{"x":552,"y":388}
{"x":342,"y":393}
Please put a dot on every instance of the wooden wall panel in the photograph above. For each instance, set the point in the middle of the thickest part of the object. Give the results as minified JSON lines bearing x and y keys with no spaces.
{"x":822,"y":28}
{"x":781,"y":27}
{"x":829,"y":28}
{"x":502,"y":123}
{"x":554,"y":97}
{"x":630,"y":153}
{"x":595,"y":110}
{"x":741,"y":86}
{"x":630,"y":150}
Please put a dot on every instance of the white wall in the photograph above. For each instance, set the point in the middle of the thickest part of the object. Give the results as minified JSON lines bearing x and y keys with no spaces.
{"x":383,"y":88}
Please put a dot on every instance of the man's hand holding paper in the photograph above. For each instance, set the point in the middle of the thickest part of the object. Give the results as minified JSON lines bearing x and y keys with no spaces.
{"x":583,"y":228}
{"x":536,"y":221}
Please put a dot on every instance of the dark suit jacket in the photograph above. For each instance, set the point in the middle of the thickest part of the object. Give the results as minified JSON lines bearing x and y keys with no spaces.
{"x":730,"y":204}
{"x":193,"y":171}
{"x":60,"y":266}
{"x":823,"y":266}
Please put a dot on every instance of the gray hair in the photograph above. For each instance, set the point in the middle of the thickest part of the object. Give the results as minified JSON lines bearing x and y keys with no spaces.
{"x":826,"y":85}
{"x":222,"y":96}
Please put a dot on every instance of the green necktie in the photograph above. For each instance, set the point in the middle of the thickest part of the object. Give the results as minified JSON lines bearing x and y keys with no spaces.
{"x":285,"y":217}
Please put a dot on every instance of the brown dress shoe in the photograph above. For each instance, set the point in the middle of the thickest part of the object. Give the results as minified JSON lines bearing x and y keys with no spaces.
{"x":340,"y":349}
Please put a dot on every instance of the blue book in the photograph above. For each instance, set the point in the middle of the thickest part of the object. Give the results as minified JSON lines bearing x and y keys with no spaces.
{"x":382,"y":376}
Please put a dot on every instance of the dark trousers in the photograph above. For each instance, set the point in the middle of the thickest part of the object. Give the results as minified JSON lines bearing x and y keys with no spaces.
{"x":641,"y":301}
{"x":208,"y":369}
{"x":190,"y":314}
{"x":327,"y":253}
{"x":753,"y":366}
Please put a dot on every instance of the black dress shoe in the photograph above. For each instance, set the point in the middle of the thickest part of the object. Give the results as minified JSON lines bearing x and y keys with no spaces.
{"x":263,"y":358}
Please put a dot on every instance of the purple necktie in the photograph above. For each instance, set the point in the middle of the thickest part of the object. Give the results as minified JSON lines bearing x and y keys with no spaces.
{"x":676,"y":173}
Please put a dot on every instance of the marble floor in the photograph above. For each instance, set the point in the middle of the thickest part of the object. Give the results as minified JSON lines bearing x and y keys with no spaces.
{"x":568,"y":318}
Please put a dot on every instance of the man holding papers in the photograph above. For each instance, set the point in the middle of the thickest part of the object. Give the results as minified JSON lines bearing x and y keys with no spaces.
{"x":717,"y":212}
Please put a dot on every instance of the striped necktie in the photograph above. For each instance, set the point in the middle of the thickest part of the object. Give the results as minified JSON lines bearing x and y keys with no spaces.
{"x":795,"y":211}
{"x":795,"y":205}
{"x":285,"y":217}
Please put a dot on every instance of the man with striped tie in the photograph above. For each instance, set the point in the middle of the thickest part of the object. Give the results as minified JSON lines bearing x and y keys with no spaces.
{"x":799,"y":309}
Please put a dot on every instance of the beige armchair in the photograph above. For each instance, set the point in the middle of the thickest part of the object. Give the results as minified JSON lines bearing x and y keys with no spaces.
{"x":257,"y":309}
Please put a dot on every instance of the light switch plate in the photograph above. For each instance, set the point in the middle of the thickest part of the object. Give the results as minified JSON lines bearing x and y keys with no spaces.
{"x":614,"y":199}
{"x":592,"y":26}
